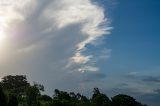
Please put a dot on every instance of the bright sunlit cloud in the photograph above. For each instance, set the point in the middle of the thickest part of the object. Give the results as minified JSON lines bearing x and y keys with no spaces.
{"x":29,"y":31}
{"x":2,"y":25}
{"x":44,"y":37}
{"x":1,"y":36}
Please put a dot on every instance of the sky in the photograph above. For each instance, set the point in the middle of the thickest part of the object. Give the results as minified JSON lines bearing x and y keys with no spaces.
{"x":76,"y":45}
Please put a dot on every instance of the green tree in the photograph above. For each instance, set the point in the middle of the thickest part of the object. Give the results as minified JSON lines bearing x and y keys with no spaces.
{"x":62,"y":98}
{"x":15,"y":84}
{"x":79,"y":100}
{"x":45,"y":98}
{"x":13,"y":101}
{"x":18,"y":90}
{"x":125,"y":100}
{"x":61,"y":95}
{"x":33,"y":93}
{"x":100,"y":99}
{"x":56,"y":102}
{"x":2,"y":97}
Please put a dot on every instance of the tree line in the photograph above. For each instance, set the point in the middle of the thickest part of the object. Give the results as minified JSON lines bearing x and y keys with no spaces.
{"x":17,"y":91}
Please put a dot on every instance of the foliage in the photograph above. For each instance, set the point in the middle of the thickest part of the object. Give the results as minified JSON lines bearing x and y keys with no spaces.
{"x":15,"y":84}
{"x":13,"y":101}
{"x":45,"y":98}
{"x":100,"y":99}
{"x":125,"y":100}
{"x":32,"y":94}
{"x":21,"y":93}
{"x":2,"y":97}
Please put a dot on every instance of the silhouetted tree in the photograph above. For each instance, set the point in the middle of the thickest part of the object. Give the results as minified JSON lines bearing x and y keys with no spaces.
{"x":61,"y":95}
{"x":2,"y":97}
{"x":13,"y":101}
{"x":39,"y":86}
{"x":56,"y":102}
{"x":15,"y":84}
{"x":18,"y":90}
{"x":125,"y":100}
{"x":32,"y":95}
{"x":99,"y":99}
{"x":45,"y":98}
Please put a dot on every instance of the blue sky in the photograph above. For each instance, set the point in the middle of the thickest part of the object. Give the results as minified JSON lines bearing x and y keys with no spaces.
{"x":76,"y":45}
{"x":134,"y":41}
{"x":135,"y":38}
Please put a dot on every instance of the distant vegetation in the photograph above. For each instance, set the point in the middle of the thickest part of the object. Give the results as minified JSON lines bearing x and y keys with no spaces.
{"x":17,"y":91}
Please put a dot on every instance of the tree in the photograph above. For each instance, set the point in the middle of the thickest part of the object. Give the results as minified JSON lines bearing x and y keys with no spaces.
{"x":125,"y":100}
{"x":62,"y":98}
{"x":2,"y":97}
{"x":95,"y":92}
{"x":18,"y":90}
{"x":61,"y":95}
{"x":32,"y":94}
{"x":13,"y":101}
{"x":45,"y":98}
{"x":39,"y":86}
{"x":15,"y":84}
{"x":100,"y":99}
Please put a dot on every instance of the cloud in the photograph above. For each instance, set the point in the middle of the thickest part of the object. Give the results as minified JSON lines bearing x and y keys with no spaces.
{"x":157,"y":91}
{"x":143,"y":78}
{"x":153,"y":79}
{"x":93,"y":77}
{"x":151,"y":99}
{"x":79,"y":58}
{"x":50,"y":38}
{"x":123,"y":85}
{"x":132,"y":75}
